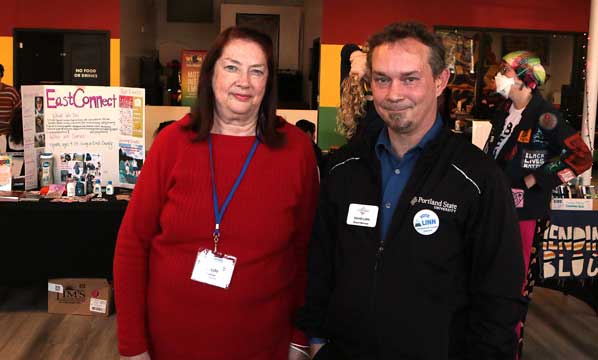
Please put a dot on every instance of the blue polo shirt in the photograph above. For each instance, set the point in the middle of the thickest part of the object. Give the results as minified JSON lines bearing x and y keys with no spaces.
{"x":396,"y":172}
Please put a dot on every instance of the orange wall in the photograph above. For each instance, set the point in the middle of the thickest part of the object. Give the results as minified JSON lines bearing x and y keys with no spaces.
{"x":355,"y":20}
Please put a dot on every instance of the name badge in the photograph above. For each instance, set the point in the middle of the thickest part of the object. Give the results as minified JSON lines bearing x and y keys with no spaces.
{"x":362,"y":215}
{"x":212,"y":269}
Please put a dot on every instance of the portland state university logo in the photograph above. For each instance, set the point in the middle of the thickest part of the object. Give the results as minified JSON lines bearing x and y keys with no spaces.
{"x":426,"y":222}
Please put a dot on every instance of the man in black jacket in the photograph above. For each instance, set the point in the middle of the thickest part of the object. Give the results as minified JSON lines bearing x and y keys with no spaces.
{"x":416,"y":252}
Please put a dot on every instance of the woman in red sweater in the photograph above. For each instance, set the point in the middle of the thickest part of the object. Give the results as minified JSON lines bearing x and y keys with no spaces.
{"x":211,"y":254}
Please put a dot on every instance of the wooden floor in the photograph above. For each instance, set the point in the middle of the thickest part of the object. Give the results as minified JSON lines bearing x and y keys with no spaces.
{"x":28,"y":332}
{"x":558,"y":327}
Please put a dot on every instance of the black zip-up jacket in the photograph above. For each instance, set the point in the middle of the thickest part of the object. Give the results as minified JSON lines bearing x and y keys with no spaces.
{"x":454,"y":294}
{"x":541,"y":144}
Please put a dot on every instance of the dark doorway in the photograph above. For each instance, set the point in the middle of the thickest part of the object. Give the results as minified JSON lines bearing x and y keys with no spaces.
{"x":38,"y":58}
{"x":268,"y":24}
{"x":61,"y":57}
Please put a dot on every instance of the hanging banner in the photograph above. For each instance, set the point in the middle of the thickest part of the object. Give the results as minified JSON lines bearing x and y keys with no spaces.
{"x":191,"y":61}
{"x":89,"y":130}
{"x":569,"y":248}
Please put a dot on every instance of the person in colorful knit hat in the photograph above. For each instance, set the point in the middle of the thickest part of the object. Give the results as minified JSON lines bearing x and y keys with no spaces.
{"x":536,"y":149}
{"x":527,"y":67}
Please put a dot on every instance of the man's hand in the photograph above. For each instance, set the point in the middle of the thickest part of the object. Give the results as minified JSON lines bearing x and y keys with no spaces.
{"x":144,"y":356}
{"x":530,"y":181}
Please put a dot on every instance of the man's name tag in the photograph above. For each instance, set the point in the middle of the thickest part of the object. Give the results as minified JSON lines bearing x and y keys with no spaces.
{"x":213,"y":269}
{"x":362,"y":215}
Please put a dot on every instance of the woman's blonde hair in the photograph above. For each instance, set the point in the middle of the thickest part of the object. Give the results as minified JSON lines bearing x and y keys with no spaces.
{"x":353,"y":101}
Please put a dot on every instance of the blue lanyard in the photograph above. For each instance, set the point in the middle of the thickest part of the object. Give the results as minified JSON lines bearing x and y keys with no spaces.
{"x":218,"y":214}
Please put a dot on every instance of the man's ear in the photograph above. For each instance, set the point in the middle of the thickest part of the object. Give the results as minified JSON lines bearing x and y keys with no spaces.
{"x":441,"y":80}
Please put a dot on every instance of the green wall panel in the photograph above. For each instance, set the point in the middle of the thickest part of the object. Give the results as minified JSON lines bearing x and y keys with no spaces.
{"x":327,"y":135}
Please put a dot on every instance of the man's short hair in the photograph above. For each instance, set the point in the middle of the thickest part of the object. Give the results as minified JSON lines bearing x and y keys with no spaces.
{"x":306,"y":126}
{"x":414,"y":30}
{"x":1,"y":70}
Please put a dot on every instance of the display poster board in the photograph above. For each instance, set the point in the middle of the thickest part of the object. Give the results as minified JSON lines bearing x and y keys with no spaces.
{"x":93,"y":132}
{"x":191,"y":61}
{"x":569,"y":248}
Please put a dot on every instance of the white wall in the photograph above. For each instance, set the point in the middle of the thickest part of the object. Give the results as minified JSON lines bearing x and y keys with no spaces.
{"x":137,"y":37}
{"x":560,"y":59}
{"x":290,"y":25}
{"x":292,"y":116}
{"x":561,"y":62}
{"x":145,"y":32}
{"x":176,"y":36}
{"x":312,"y":29}
{"x":154,"y":115}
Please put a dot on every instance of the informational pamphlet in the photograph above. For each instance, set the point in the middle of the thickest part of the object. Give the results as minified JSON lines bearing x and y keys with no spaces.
{"x":5,"y":173}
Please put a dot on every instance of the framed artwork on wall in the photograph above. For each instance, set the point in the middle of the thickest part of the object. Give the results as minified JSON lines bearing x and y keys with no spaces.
{"x":268,"y":24}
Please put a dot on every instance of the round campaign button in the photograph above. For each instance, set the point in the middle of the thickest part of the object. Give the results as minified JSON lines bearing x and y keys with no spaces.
{"x":426,"y":222}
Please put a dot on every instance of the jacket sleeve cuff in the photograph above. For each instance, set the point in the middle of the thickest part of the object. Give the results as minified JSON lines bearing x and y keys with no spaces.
{"x":518,"y":184}
{"x":546,"y":180}
{"x":132,"y":351}
{"x":131,"y":340}
{"x":298,"y":338}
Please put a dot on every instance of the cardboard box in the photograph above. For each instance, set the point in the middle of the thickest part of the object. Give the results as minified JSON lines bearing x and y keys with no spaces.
{"x":574,"y":204}
{"x":80,"y":296}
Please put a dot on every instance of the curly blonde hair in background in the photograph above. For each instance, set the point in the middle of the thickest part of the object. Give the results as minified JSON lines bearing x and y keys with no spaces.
{"x":353,"y":101}
{"x":352,"y":107}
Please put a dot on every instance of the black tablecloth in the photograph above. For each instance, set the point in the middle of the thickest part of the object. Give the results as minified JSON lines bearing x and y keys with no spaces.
{"x":42,"y":240}
{"x":585,"y":289}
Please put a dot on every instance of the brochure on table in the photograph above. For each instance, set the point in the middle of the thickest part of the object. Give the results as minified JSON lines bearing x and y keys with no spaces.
{"x":92,"y":131}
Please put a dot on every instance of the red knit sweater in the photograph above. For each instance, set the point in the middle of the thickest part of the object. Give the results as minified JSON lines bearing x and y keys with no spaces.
{"x":170,"y":216}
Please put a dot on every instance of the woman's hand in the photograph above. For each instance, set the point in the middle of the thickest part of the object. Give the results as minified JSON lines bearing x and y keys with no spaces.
{"x":144,"y":356}
{"x":358,"y":63}
{"x":296,"y":353}
{"x":314,"y":348}
{"x":530,"y":181}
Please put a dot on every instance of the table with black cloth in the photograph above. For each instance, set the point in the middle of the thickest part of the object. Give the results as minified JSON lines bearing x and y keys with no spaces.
{"x":584,"y":288}
{"x":43,"y":240}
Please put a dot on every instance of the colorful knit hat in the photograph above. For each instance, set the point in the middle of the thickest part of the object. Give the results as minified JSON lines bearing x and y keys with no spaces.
{"x":528,"y":68}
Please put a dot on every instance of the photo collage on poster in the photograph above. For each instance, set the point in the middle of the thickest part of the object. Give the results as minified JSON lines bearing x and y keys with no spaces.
{"x":83,"y":167}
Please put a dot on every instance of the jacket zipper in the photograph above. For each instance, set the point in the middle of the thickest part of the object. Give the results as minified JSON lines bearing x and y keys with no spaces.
{"x":377,"y":264}
{"x":376,"y":268}
{"x":379,"y":256}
